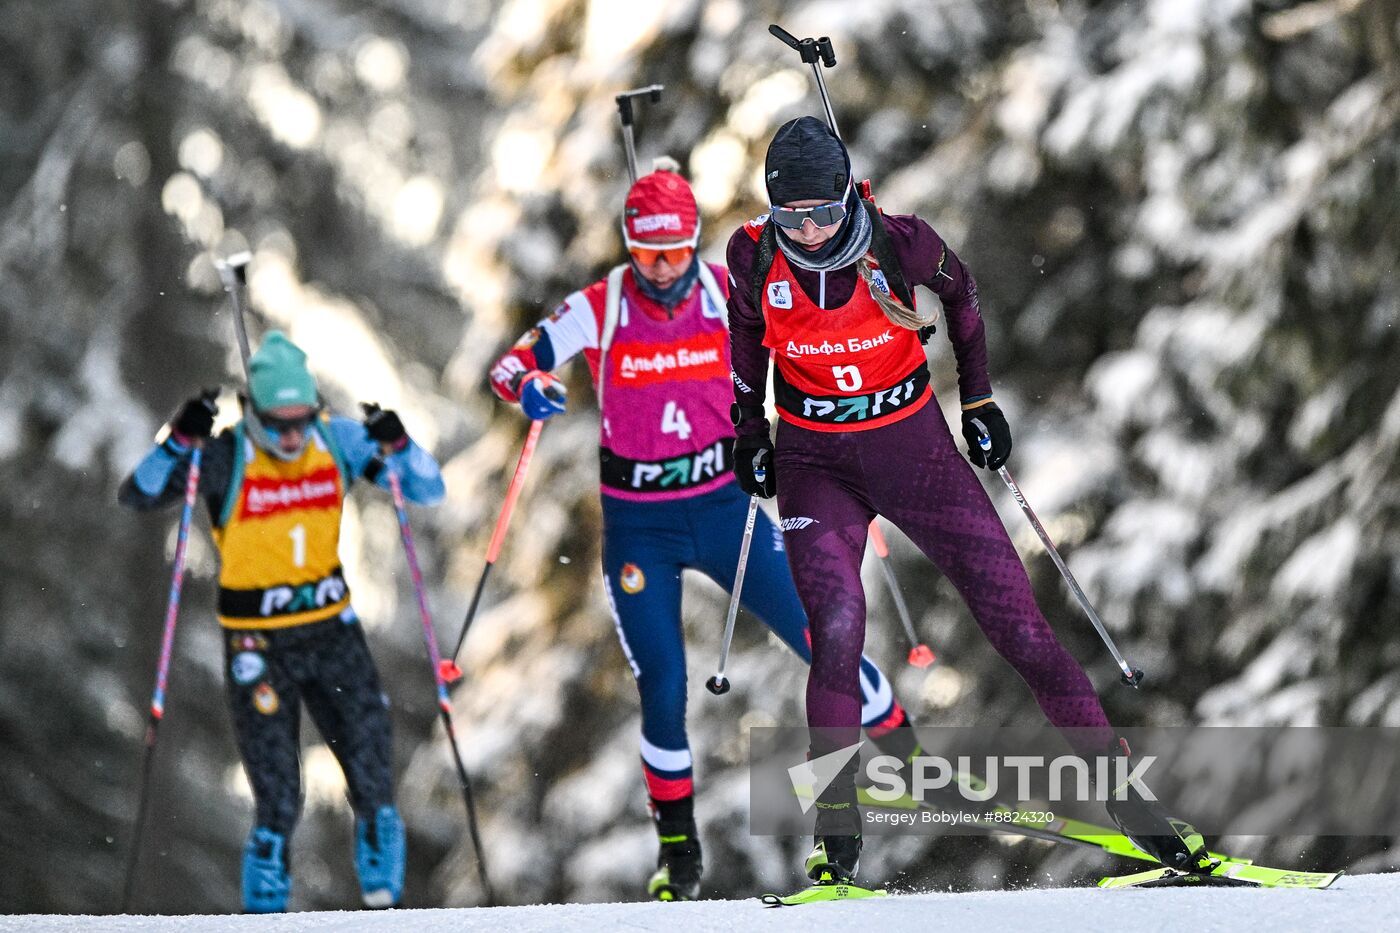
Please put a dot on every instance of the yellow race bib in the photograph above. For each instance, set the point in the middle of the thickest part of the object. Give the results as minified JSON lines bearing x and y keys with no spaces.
{"x":280,"y":538}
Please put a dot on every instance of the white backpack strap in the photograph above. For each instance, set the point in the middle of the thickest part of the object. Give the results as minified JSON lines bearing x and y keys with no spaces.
{"x":713,"y":292}
{"x":612,"y":312}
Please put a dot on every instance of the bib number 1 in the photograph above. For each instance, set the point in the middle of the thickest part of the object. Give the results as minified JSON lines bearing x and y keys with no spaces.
{"x":298,"y":536}
{"x":673,"y":421}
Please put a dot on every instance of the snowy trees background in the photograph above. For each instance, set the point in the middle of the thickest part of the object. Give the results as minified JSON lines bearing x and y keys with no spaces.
{"x":1181,"y":214}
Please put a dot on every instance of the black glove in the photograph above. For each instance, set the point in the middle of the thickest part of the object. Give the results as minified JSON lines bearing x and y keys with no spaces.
{"x":383,"y":425}
{"x":195,"y":419}
{"x":987,"y":420}
{"x":753,"y":465}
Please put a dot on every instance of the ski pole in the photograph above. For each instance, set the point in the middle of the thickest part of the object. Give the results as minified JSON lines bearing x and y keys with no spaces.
{"x":920,"y":654}
{"x":814,"y":52}
{"x":234,"y":273}
{"x":1132,"y":676}
{"x":435,"y":660}
{"x":449,"y":669}
{"x":167,"y":644}
{"x":719,"y":684}
{"x":652,"y":93}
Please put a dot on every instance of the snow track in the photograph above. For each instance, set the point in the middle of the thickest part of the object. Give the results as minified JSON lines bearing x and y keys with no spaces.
{"x":1364,"y":902}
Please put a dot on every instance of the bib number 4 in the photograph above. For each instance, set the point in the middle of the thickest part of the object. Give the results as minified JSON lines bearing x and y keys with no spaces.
{"x":847,"y":378}
{"x":673,"y":421}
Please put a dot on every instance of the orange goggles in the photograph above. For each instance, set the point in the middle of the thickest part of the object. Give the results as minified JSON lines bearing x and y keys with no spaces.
{"x":674,"y":255}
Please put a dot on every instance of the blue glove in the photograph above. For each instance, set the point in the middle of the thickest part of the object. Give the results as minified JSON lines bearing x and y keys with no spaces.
{"x":541,"y":396}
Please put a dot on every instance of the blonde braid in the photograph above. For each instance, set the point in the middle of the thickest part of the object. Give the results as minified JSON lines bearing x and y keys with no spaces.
{"x":898,"y":313}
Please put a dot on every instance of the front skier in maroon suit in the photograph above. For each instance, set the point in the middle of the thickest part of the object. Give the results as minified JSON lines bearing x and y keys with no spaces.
{"x":859,"y":435}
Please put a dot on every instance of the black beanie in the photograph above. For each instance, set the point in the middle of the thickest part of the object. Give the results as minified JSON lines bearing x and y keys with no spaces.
{"x":806,"y":161}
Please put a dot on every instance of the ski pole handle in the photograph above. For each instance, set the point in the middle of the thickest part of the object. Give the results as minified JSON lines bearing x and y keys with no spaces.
{"x":1131,"y":676}
{"x":234,"y":273}
{"x":625,"y":115}
{"x":719,"y":684}
{"x":814,"y":52}
{"x":785,"y":36}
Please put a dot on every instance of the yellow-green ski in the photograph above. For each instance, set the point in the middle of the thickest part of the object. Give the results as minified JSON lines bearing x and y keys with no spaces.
{"x":822,"y":892}
{"x":1228,"y":871}
{"x":1061,"y":829}
{"x":1225,"y":874}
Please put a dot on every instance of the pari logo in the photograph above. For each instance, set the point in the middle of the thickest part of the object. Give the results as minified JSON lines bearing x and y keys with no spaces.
{"x":280,"y":600}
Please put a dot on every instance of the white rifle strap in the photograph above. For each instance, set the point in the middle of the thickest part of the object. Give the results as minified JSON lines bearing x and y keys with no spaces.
{"x":612,"y":312}
{"x":612,"y":307}
{"x":715,"y":293}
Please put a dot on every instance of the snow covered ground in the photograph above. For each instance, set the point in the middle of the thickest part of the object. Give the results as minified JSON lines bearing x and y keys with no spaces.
{"x":1352,"y":903}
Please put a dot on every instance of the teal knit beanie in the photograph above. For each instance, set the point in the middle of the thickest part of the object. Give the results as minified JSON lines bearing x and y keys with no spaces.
{"x":278,"y":375}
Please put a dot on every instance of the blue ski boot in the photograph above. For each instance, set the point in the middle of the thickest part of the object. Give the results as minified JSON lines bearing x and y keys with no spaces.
{"x":266,"y":884}
{"x":380,"y":853}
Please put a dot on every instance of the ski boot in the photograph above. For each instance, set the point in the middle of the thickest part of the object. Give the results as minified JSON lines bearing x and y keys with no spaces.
{"x":1173,"y":842}
{"x":678,"y":863}
{"x":835,"y":855}
{"x":834,"y":859}
{"x":380,"y":851}
{"x":266,"y":884}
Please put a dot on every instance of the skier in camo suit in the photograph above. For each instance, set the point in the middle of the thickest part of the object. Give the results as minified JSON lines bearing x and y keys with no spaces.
{"x":275,"y":486}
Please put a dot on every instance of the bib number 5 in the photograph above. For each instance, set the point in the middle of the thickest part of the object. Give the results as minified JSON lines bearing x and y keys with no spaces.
{"x":847,"y":378}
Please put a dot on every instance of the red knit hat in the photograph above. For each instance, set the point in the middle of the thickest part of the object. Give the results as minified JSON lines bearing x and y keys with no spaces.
{"x":660,"y":208}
